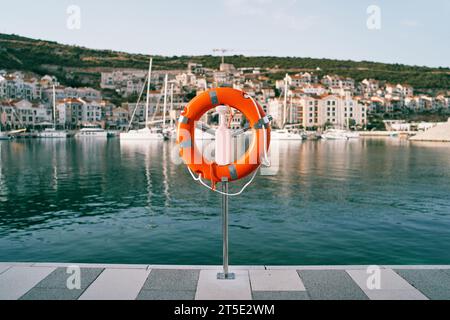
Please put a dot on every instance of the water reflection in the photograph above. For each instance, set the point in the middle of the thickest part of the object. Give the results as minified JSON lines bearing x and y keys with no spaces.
{"x":351,"y":202}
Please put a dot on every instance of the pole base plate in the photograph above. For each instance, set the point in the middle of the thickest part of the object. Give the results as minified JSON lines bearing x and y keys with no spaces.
{"x":226,"y":276}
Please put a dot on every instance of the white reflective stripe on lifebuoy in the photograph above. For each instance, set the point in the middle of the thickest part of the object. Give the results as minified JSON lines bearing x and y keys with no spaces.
{"x":233,"y":172}
{"x":183,"y":120}
{"x":213,"y":96}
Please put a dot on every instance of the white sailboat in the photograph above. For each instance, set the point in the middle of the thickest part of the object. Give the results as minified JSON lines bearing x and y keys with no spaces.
{"x":341,"y":134}
{"x":335,"y":134}
{"x":92,"y":131}
{"x":353,"y":135}
{"x":172,"y":130}
{"x":53,"y":133}
{"x":285,"y":134}
{"x":146,"y":133}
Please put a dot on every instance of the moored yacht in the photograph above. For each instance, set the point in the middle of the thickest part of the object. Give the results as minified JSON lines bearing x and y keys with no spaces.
{"x":353,"y":135}
{"x":287,"y":132}
{"x":92,"y":131}
{"x":335,"y":134}
{"x":52,"y":133}
{"x":284,"y":134}
{"x":145,"y":133}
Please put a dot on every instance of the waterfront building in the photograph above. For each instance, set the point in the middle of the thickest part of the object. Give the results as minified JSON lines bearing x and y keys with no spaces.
{"x":76,"y":112}
{"x":119,"y":119}
{"x":23,"y":114}
{"x":332,"y":110}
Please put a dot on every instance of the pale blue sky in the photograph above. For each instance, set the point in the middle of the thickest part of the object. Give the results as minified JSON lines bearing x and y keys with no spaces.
{"x":412,"y":32}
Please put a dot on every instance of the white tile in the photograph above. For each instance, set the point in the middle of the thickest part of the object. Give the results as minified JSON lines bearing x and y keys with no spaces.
{"x":191,"y":267}
{"x":395,"y":295}
{"x":116,"y":284}
{"x":315,"y":267}
{"x":210,"y":288}
{"x":389,"y":280}
{"x":17,"y":281}
{"x":276,"y":280}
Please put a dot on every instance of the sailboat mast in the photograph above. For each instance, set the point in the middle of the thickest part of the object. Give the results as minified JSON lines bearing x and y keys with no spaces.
{"x":285,"y":99}
{"x":291,"y":110}
{"x":171,"y":105}
{"x":148,"y":91}
{"x":54,"y":107}
{"x":165,"y":100}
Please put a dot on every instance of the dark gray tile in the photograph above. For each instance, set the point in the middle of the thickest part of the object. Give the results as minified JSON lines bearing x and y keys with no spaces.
{"x":280,"y":295}
{"x":52,"y":294}
{"x":331,"y":285}
{"x":172,"y":280}
{"x":58,"y":278}
{"x":435,"y":284}
{"x":166,"y":295}
{"x":54,"y":286}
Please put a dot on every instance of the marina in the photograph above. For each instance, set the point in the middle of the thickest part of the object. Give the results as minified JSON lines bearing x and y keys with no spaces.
{"x":104,"y":200}
{"x":140,"y":160}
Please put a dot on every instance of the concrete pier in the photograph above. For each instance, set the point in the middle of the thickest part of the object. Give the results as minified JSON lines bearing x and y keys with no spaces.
{"x":53,"y":281}
{"x":440,"y":133}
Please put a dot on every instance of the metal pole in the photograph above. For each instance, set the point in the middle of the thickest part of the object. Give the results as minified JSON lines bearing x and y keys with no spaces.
{"x":225,"y":275}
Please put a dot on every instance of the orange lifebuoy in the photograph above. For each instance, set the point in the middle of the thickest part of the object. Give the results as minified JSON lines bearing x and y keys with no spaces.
{"x":258,"y":121}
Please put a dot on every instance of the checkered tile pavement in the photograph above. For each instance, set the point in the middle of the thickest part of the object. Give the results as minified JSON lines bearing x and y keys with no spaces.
{"x":142,"y":282}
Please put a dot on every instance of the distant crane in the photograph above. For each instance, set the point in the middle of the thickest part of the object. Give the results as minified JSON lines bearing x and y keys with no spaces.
{"x":223,"y":51}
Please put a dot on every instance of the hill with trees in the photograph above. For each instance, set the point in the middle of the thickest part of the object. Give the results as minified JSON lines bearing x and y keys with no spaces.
{"x":76,"y":66}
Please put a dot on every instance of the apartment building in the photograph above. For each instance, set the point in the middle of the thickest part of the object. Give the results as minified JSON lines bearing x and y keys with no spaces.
{"x":19,"y":86}
{"x":76,"y":112}
{"x":332,"y":110}
{"x":72,"y":93}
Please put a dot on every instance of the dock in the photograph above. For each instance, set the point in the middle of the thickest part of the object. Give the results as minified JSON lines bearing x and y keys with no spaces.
{"x":440,"y":133}
{"x":53,"y":281}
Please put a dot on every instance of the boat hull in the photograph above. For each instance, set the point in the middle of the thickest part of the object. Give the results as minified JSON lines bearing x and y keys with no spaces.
{"x":286,"y":137}
{"x":142,"y":136}
{"x":53,"y":135}
{"x":89,"y":135}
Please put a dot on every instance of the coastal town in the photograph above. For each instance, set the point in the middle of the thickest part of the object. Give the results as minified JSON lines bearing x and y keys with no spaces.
{"x":302,"y":100}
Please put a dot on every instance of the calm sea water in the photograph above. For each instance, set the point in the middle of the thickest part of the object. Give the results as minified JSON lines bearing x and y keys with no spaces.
{"x":360,"y":202}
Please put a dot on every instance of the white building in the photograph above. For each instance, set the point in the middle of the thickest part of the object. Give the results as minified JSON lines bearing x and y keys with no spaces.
{"x":76,"y":112}
{"x":334,"y":110}
{"x":19,"y":86}
{"x":72,"y":93}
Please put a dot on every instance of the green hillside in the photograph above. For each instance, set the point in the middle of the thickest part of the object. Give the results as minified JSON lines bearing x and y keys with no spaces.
{"x":81,"y":66}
